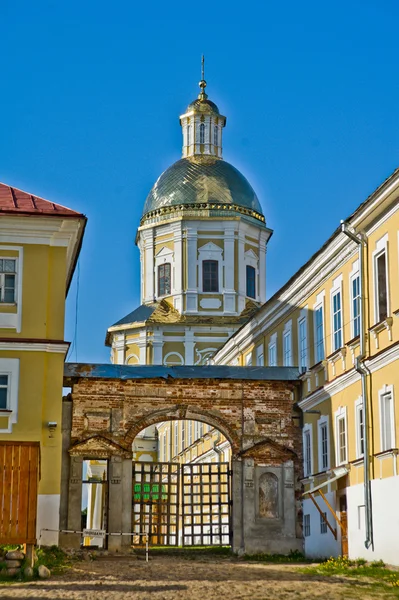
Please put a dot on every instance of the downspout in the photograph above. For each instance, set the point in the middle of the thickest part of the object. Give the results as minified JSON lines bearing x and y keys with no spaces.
{"x":361,"y":241}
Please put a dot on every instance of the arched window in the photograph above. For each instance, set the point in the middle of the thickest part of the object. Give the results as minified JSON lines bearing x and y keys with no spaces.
{"x":202,"y":133}
{"x":164,"y":279}
{"x":251,"y":283}
{"x":215,"y":136}
{"x":268,"y":496}
{"x":210,"y":276}
{"x":188,"y":134}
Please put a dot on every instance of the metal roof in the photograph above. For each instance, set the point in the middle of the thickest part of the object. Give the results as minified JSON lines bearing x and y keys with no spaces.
{"x":109,"y":371}
{"x":138,"y":315}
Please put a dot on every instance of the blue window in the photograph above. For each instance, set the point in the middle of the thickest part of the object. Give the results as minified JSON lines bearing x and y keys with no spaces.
{"x":356,"y":305}
{"x":251,"y":284}
{"x":3,"y":391}
{"x":337,"y":321}
{"x":202,"y":133}
{"x":319,"y":334}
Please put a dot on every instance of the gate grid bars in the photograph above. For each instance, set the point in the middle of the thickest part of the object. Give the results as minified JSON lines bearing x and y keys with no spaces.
{"x":187,"y":505}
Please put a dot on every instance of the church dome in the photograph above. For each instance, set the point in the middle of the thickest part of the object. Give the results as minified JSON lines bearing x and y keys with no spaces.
{"x":203,"y":105}
{"x":207,"y":182}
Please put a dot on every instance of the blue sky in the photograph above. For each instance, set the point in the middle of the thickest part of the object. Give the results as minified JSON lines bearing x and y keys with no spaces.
{"x":89,"y":106}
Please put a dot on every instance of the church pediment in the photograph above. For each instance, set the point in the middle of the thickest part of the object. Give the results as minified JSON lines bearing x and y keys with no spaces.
{"x":98,"y":447}
{"x":251,"y":254}
{"x":164,"y":252}
{"x":268,"y":450}
{"x":211,"y":248}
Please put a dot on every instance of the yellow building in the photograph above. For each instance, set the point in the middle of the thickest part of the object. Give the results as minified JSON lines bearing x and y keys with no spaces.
{"x":39,"y":246}
{"x":337,"y":319}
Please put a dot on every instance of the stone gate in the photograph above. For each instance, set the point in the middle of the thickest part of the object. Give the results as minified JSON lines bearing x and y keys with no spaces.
{"x":255,"y":409}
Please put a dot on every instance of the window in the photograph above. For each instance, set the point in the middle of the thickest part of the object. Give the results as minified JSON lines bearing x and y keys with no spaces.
{"x":183,"y":435}
{"x":259,"y":356}
{"x":303,"y":344}
{"x":188,"y":134}
{"x":359,"y":428}
{"x":190,"y":433}
{"x":3,"y":392}
{"x":287,"y":345}
{"x":356,"y":305}
{"x":319,"y":333}
{"x":387,"y":421}
{"x":164,"y":279}
{"x":201,"y":430}
{"x":307,"y":451}
{"x":210,"y":276}
{"x":381,"y":286}
{"x":337,"y":320}
{"x":248,"y":359}
{"x":251,"y":286}
{"x":176,"y":440}
{"x":306,"y":525}
{"x":341,"y":439}
{"x":272,"y":355}
{"x":323,"y":523}
{"x":323,"y":444}
{"x":7,"y":280}
{"x":164,"y":439}
{"x":215,"y":136}
{"x":202,"y":133}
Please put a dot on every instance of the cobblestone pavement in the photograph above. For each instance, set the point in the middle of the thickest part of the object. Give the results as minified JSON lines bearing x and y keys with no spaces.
{"x":167,"y":578}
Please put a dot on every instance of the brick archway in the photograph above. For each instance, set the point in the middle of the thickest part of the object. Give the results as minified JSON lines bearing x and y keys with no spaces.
{"x":254,"y":408}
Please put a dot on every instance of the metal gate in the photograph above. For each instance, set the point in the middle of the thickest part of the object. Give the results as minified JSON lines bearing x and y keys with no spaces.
{"x":181,"y":505}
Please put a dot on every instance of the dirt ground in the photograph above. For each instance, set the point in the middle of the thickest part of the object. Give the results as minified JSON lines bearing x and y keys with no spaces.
{"x":167,"y":578}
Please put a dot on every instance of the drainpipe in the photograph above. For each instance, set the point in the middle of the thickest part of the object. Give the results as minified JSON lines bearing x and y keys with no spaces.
{"x":361,"y":241}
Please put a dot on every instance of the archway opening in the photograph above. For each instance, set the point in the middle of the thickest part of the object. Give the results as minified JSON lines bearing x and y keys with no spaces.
{"x":181,"y":493}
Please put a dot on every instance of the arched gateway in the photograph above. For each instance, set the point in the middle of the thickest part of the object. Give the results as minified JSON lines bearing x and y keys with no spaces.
{"x":254,"y":408}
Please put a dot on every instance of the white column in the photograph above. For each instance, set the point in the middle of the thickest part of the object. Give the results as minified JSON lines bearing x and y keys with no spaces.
{"x":148,"y":237}
{"x":157,"y":346}
{"x":241,"y":271}
{"x":191,"y":268}
{"x":229,"y":302}
{"x":262,"y":268}
{"x":177,"y":283}
{"x":189,"y":348}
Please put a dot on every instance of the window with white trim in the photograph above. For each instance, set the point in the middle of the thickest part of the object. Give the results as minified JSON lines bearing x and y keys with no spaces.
{"x":287,"y":347}
{"x":215,"y":135}
{"x":251,"y":281}
{"x":8,"y":277}
{"x":202,"y":133}
{"x":201,"y":429}
{"x":359,"y":420}
{"x":210,"y":276}
{"x":323,"y":523}
{"x":176,"y":440}
{"x":303,"y":343}
{"x":356,"y":305}
{"x":336,"y":300}
{"x":164,"y":446}
{"x":387,"y":419}
{"x":183,"y":435}
{"x":260,"y":360}
{"x":188,"y":134}
{"x":248,"y":359}
{"x":381,"y":285}
{"x":341,"y":437}
{"x":164,"y":279}
{"x":323,"y":444}
{"x":190,"y":433}
{"x":272,"y":355}
{"x":319,"y":333}
{"x":306,"y":525}
{"x":4,"y":387}
{"x":307,"y":450}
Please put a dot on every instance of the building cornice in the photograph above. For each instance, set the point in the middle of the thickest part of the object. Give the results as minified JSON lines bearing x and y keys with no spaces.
{"x":33,"y":345}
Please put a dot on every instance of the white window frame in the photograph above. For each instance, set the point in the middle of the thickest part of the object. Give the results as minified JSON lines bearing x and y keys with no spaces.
{"x":340,"y":415}
{"x":164,"y":446}
{"x":190,"y":433}
{"x":336,"y":289}
{"x":13,"y":320}
{"x":387,"y":389}
{"x":176,"y":439}
{"x":307,"y":465}
{"x":355,"y":274}
{"x":381,"y":248}
{"x":210,"y":251}
{"x":319,"y":306}
{"x":324,"y":421}
{"x":272,"y":351}
{"x":323,"y":523}
{"x":359,"y":407}
{"x":287,"y":335}
{"x":303,"y":319}
{"x":252,"y":260}
{"x":10,"y":367}
{"x":260,"y":357}
{"x":248,"y":359}
{"x":306,"y":525}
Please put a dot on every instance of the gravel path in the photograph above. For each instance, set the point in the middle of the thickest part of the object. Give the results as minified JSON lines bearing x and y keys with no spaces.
{"x":171,"y":578}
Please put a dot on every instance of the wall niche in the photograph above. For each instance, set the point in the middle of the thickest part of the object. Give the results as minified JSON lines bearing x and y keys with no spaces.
{"x":268,"y":496}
